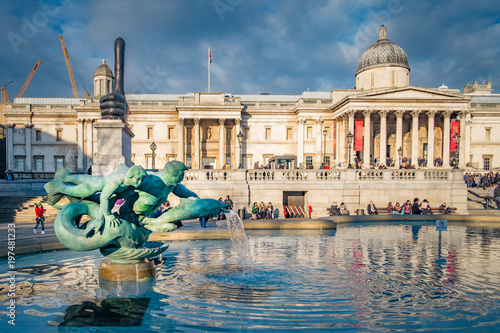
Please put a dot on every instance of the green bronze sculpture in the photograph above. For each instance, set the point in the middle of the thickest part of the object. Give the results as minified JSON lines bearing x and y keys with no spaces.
{"x":119,"y":207}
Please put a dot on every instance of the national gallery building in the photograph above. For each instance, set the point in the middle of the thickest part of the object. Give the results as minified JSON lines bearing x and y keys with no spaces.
{"x":384,"y":120}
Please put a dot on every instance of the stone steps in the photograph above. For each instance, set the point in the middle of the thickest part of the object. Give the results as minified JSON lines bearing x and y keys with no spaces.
{"x":22,"y":209}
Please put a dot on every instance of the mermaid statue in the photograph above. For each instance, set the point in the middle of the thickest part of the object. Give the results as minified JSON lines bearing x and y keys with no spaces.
{"x":118,"y":209}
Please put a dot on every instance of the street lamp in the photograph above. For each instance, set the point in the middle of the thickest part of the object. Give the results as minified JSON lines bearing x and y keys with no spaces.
{"x":400,"y":154}
{"x":240,"y":141}
{"x":324,"y":146}
{"x":349,"y":142}
{"x":456,"y":140}
{"x":153,"y":148}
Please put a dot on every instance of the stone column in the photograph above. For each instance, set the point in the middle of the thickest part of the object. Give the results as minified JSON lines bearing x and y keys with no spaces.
{"x":338,"y":150}
{"x":462,"y":161}
{"x":180,"y":135}
{"x":430,"y":138}
{"x":383,"y":135}
{"x":222,"y":143}
{"x":300,"y":142}
{"x":468,"y":123}
{"x":10,"y":146}
{"x":446,"y":138}
{"x":319,"y":138}
{"x":29,"y":157}
{"x":414,"y":137}
{"x":399,"y":134}
{"x":237,"y":121}
{"x":80,"y":166}
{"x":90,"y":141}
{"x":367,"y":138}
{"x":196,"y":161}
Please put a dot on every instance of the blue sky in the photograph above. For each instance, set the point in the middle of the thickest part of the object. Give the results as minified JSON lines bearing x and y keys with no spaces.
{"x":279,"y":47}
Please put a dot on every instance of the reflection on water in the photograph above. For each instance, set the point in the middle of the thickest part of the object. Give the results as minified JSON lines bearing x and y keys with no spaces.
{"x":357,"y":278}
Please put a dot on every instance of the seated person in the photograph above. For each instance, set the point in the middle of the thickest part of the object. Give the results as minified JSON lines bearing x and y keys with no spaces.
{"x":397,"y":209}
{"x":389,"y":208}
{"x":443,"y":209}
{"x":334,"y":209}
{"x":425,"y":207}
{"x":407,"y":207}
{"x":415,"y":210}
{"x":343,"y":209}
{"x":270,"y":211}
{"x":262,"y":210}
{"x":371,"y":209}
{"x":255,"y":211}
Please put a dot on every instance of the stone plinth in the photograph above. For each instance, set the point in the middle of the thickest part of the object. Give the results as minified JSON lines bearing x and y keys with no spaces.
{"x":142,"y":271}
{"x":114,"y":142}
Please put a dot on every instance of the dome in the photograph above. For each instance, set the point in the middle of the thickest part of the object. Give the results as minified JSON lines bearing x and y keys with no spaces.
{"x":103,"y":70}
{"x":383,"y":53}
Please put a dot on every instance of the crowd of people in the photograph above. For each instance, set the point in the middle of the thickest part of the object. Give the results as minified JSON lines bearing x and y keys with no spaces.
{"x":261,"y":211}
{"x":486,"y":180}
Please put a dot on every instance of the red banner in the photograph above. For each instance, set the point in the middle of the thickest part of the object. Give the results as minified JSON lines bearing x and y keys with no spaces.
{"x":455,"y":128}
{"x":358,"y":135}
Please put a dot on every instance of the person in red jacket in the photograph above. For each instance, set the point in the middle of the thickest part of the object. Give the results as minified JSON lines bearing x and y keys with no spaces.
{"x":39,"y":211}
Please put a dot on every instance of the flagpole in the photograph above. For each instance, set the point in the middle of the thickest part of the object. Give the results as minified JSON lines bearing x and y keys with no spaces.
{"x":209,"y":56}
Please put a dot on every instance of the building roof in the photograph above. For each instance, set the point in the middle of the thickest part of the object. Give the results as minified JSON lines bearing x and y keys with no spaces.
{"x":383,"y":52}
{"x":485,"y":99}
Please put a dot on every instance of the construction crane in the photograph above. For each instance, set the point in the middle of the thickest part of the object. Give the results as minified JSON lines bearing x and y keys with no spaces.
{"x":28,"y":80}
{"x":5,"y":95}
{"x":68,"y":64}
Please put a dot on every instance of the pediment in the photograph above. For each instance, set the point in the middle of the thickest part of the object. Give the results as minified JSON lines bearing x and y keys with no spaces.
{"x":412,"y":93}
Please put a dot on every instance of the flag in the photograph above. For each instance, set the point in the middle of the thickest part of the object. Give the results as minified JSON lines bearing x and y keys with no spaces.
{"x":209,"y":55}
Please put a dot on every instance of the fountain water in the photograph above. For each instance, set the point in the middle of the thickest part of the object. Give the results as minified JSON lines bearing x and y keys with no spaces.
{"x":239,"y":238}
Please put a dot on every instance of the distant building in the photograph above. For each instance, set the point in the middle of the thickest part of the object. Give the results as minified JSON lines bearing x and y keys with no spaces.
{"x":390,"y":121}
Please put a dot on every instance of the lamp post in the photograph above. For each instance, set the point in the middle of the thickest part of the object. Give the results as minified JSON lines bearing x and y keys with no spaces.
{"x":456,"y":140}
{"x":349,"y":142}
{"x":324,"y":146}
{"x":240,"y":141}
{"x":400,"y":154}
{"x":153,"y":148}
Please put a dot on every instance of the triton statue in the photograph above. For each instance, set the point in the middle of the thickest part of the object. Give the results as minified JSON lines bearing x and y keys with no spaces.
{"x":119,"y":206}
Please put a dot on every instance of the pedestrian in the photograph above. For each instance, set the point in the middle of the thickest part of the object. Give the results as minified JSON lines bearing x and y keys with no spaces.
{"x":229,"y":201}
{"x":40,"y":219}
{"x":203,"y":221}
{"x":371,"y":208}
{"x":9,"y":175}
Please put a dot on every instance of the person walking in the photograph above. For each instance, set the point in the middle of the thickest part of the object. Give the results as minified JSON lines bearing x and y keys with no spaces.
{"x":40,"y":219}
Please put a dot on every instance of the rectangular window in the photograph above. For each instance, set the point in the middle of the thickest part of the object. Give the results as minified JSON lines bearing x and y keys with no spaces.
{"x":59,"y":135}
{"x":170,"y":133}
{"x":58,"y":162}
{"x":289,"y":134}
{"x":488,"y":134}
{"x":228,"y":161}
{"x":208,"y":162}
{"x":38,"y":164}
{"x":170,"y":158}
{"x":309,"y":160}
{"x":189,"y":162}
{"x":486,"y":162}
{"x":149,"y":162}
{"x":132,"y":158}
{"x":20,"y":163}
{"x":309,"y":132}
{"x":326,"y":160}
{"x":246,"y":162}
{"x":247,"y":133}
{"x":150,"y":133}
{"x":38,"y":135}
{"x":268,"y":134}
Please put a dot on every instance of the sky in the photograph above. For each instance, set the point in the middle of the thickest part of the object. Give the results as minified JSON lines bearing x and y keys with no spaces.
{"x":280,"y":47}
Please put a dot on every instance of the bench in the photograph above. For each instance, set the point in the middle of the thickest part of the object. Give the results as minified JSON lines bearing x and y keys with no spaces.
{"x":384,"y":212}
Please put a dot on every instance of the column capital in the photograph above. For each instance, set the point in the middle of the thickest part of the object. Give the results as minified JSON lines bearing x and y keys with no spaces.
{"x":196,"y":121}
{"x":180,"y":121}
{"x":415,"y":113}
{"x":383,"y":113}
{"x":350,"y":113}
{"x":222,"y":121}
{"x":237,"y":121}
{"x":80,"y":120}
{"x":446,"y":113}
{"x":431,"y":113}
{"x":28,"y":126}
{"x":399,"y":113}
{"x":301,"y":120}
{"x":367,"y":113}
{"x":10,"y":125}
